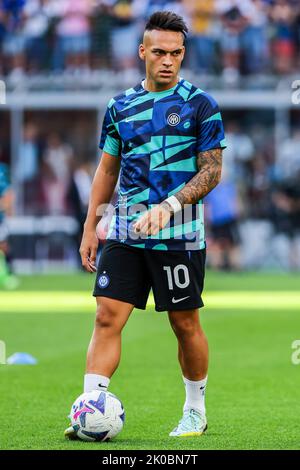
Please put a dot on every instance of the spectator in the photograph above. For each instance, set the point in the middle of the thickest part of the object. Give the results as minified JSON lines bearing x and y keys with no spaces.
{"x":238,"y":153}
{"x":78,"y":196}
{"x":234,"y":22}
{"x":286,"y":213}
{"x":2,"y":36}
{"x":248,"y":37}
{"x":36,"y":25}
{"x":73,"y":33}
{"x":288,"y":163}
{"x":13,"y":45}
{"x":283,"y":39}
{"x":27,"y":165}
{"x":102,"y":24}
{"x":223,"y":212}
{"x":254,"y":39}
{"x":202,"y":38}
{"x":7,"y":279}
{"x":58,"y":156}
{"x":124,"y":36}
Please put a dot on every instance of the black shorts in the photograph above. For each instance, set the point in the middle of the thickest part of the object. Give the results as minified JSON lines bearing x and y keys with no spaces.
{"x":127,"y":273}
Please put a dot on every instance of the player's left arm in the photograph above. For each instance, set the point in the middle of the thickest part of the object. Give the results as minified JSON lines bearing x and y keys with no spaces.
{"x":209,"y":164}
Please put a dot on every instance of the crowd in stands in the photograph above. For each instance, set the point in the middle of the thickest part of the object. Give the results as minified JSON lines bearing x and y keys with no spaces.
{"x":231,"y":37}
{"x":255,"y":185}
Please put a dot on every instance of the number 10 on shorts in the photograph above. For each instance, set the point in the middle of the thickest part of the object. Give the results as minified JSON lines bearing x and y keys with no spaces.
{"x":174,"y":275}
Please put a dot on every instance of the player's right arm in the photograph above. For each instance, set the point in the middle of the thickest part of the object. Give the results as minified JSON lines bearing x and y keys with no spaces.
{"x":103,"y":186}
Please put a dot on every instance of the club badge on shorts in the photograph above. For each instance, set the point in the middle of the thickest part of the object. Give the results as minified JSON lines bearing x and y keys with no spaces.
{"x":103,"y":280}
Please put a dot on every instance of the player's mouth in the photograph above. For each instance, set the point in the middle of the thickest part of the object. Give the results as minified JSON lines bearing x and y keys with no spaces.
{"x":166,"y":73}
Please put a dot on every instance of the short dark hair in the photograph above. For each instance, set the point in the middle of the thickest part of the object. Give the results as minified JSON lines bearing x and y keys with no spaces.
{"x":167,"y":21}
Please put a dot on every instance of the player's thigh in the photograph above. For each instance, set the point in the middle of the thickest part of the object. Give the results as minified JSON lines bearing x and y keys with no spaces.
{"x":112,"y":312}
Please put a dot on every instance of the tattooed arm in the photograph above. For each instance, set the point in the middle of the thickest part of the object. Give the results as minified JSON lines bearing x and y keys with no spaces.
{"x":209,"y":165}
{"x":209,"y":175}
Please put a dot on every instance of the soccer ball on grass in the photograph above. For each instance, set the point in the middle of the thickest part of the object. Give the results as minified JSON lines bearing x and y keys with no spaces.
{"x":97,"y":416}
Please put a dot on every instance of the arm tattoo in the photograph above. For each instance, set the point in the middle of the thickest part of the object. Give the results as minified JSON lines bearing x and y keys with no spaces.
{"x":209,"y":175}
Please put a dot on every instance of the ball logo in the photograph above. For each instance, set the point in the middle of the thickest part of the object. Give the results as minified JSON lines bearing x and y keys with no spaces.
{"x":173,"y":119}
{"x":103,"y":281}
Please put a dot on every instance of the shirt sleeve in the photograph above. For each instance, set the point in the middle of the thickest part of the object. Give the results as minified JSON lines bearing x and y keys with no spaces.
{"x":5,"y":183}
{"x":110,"y":140}
{"x":210,"y":130}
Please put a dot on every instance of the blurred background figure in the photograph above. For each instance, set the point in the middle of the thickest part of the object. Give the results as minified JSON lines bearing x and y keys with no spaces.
{"x":36,"y":28}
{"x":203,"y":34}
{"x":239,"y":151}
{"x":124,"y":36}
{"x":286,"y":206}
{"x":13,"y":44}
{"x":7,"y":279}
{"x":78,"y":196}
{"x":28,"y":166}
{"x":233,"y":25}
{"x":56,"y":176}
{"x":222,"y":212}
{"x":282,"y":16}
{"x":288,"y":163}
{"x":73,"y":36}
{"x":101,"y":25}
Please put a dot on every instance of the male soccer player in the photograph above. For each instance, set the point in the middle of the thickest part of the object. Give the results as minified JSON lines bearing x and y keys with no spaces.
{"x":7,"y":280}
{"x":166,"y":136}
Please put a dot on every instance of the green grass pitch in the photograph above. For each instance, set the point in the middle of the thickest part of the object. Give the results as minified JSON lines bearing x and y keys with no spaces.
{"x":252,"y":400}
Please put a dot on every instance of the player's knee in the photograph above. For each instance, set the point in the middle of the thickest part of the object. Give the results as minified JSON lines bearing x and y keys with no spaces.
{"x":185,"y":326}
{"x":105,"y":317}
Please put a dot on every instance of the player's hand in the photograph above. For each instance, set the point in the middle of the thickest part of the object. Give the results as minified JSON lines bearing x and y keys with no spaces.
{"x":153,"y":220}
{"x":88,"y":250}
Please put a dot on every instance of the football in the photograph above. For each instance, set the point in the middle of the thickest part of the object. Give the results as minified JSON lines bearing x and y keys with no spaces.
{"x":97,"y":416}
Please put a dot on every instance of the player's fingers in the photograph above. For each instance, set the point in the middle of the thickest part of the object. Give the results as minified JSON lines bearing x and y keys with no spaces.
{"x":154,"y":229}
{"x":138,"y":224}
{"x":145,"y":226}
{"x":85,"y":260}
{"x":92,"y":266}
{"x":92,"y":258}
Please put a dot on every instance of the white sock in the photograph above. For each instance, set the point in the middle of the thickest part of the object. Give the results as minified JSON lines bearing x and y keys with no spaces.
{"x":195,"y":394}
{"x":95,"y":382}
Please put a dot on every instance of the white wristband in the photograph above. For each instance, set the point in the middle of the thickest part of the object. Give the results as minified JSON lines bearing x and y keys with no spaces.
{"x":174,"y":203}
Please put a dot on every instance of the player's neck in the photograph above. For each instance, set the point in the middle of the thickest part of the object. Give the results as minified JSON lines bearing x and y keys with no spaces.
{"x":151,"y":85}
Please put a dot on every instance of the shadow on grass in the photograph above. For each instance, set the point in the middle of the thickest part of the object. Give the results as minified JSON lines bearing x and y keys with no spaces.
{"x":167,"y":443}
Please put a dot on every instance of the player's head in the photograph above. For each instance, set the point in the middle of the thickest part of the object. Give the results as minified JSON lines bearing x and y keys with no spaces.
{"x":163,"y":47}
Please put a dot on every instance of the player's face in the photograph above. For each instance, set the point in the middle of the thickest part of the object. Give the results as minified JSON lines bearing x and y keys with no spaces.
{"x":163,"y":53}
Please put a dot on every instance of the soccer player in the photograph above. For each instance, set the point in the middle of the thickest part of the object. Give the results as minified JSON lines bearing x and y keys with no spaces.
{"x":165,"y":137}
{"x":7,"y":280}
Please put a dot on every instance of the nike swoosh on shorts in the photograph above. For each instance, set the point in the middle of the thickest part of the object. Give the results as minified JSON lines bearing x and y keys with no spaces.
{"x":175,"y":301}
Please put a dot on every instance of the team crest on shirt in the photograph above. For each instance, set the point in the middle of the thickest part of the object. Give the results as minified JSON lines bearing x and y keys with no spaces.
{"x":173,"y":119}
{"x":103,"y":280}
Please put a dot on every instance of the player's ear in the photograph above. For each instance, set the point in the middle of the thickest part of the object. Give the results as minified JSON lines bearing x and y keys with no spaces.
{"x":142,"y":51}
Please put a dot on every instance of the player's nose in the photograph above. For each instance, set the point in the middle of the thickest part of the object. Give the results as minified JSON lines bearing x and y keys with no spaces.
{"x":167,"y":62}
